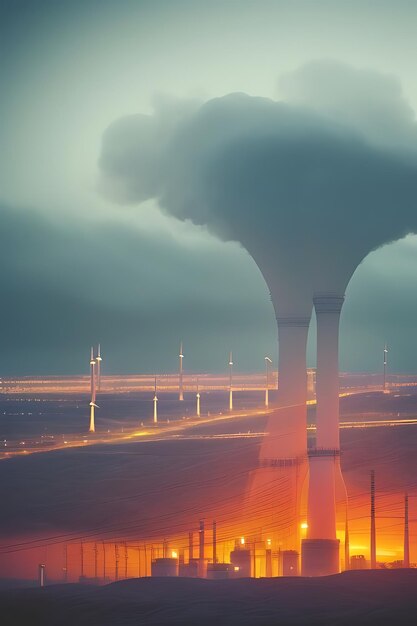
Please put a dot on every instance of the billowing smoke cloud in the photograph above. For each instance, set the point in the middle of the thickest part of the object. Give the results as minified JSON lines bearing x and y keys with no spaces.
{"x":306,"y":188}
{"x":371,"y":102}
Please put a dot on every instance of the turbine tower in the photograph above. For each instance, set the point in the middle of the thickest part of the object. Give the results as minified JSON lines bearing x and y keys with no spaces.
{"x":155,"y":405}
{"x":267,"y":364}
{"x":198,"y":400}
{"x":180,"y":380}
{"x":230,"y":381}
{"x":385,"y":367}
{"x":93,"y":404}
{"x":99,"y":360}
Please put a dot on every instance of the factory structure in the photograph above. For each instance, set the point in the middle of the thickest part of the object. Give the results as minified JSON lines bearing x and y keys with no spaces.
{"x":206,"y":552}
{"x":311,"y":545}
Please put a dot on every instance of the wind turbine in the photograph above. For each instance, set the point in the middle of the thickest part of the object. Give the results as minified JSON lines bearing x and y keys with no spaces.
{"x":268,"y":362}
{"x":99,"y":360}
{"x":385,"y":366}
{"x":180,"y":384}
{"x":230,"y":381}
{"x":155,"y":406}
{"x":198,"y":400}
{"x":93,"y":404}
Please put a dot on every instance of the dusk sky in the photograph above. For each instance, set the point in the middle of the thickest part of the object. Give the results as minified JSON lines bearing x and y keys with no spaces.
{"x":81,"y":265}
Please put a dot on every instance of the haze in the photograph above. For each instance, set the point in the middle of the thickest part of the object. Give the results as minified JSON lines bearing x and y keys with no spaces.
{"x":74,"y":259}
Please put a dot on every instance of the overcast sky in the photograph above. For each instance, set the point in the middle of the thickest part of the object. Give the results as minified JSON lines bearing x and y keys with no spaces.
{"x":79,"y":268}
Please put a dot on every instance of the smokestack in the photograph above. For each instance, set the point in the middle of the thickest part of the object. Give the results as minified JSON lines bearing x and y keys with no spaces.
{"x":321,"y":549}
{"x":180,"y":379}
{"x":230,"y":381}
{"x":373,"y":532}
{"x":406,"y":561}
{"x":190,"y":546}
{"x":286,"y":444}
{"x":214,"y":542}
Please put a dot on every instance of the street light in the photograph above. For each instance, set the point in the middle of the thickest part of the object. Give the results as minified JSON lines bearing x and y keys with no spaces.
{"x":267,"y":364}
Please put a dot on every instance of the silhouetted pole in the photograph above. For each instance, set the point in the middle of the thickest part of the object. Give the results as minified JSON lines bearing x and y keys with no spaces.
{"x":214,"y":542}
{"x":116,"y":561}
{"x":268,"y":560}
{"x":126,"y":558}
{"x":190,"y":547}
{"x":201,"y":549}
{"x":82,"y":559}
{"x":406,"y":562}
{"x":66,"y":564}
{"x":95,"y":561}
{"x":104,"y":561}
{"x":373,"y":532}
{"x":347,"y":548}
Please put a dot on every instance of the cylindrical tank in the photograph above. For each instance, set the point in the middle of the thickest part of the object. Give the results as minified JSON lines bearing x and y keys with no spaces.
{"x":165,"y":567}
{"x":319,"y":557}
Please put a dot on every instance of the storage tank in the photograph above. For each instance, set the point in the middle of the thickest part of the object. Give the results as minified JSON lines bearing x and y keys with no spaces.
{"x":165,"y":567}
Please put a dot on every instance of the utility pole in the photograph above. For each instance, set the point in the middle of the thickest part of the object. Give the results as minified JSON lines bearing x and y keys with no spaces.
{"x":373,"y":531}
{"x":214,"y":543}
{"x":126,"y":558}
{"x":116,"y":558}
{"x":95,"y":561}
{"x":82,"y":559}
{"x":406,"y":561}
